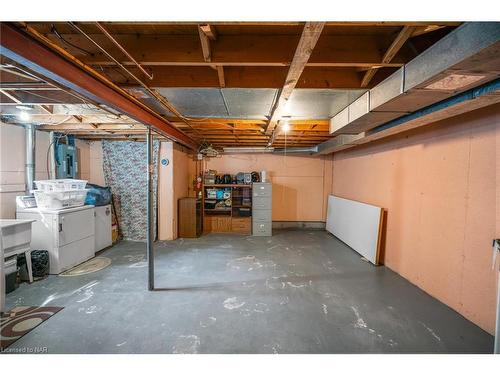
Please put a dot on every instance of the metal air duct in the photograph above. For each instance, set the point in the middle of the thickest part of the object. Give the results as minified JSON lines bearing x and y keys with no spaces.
{"x":467,"y":57}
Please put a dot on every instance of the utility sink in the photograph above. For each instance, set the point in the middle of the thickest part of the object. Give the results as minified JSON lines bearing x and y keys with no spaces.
{"x":15,"y":239}
{"x":16,"y":235}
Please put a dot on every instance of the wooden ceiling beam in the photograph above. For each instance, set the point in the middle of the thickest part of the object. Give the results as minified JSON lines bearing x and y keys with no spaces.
{"x":333,"y":64}
{"x":405,"y":33}
{"x":305,"y":47}
{"x":245,"y":77}
{"x":127,"y":24}
{"x":205,"y":44}
{"x":234,"y":50}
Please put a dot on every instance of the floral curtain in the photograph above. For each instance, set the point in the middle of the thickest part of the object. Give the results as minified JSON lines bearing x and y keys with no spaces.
{"x":125,"y":171}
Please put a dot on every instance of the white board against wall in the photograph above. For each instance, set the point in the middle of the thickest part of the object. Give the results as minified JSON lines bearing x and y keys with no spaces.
{"x":356,"y":224}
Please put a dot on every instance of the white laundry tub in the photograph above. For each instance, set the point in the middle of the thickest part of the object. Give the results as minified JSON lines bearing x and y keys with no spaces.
{"x":16,"y":235}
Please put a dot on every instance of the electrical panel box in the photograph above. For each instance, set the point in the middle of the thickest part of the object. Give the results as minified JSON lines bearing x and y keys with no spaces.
{"x":66,"y":161}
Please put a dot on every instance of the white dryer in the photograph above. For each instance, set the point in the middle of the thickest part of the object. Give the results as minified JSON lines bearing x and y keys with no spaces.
{"x":67,"y":234}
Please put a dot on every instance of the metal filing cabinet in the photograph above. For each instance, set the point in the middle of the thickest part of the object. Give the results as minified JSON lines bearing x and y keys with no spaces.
{"x":262,"y":209}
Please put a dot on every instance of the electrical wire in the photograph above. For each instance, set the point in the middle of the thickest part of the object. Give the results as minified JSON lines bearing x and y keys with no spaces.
{"x":56,"y":141}
{"x":54,"y":30}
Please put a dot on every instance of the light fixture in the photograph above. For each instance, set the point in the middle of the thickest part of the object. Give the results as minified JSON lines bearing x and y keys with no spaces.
{"x":24,"y":116}
{"x":286,"y":126}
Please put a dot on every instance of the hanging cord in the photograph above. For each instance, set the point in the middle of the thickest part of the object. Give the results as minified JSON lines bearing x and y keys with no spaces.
{"x":54,"y":142}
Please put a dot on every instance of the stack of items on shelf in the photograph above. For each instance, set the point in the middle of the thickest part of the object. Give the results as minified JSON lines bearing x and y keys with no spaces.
{"x":241,"y":178}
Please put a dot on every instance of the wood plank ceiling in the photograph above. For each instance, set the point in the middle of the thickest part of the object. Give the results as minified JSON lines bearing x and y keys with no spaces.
{"x":146,"y":57}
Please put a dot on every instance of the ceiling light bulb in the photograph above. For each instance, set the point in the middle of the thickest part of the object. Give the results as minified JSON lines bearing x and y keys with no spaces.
{"x":286,"y":127}
{"x":24,"y":116}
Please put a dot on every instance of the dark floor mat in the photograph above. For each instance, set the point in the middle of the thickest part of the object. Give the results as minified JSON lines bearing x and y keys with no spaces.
{"x":21,"y":320}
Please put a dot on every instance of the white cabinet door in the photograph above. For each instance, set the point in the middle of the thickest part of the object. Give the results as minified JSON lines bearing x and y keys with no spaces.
{"x":71,"y":255}
{"x":102,"y":227}
{"x":74,"y":226}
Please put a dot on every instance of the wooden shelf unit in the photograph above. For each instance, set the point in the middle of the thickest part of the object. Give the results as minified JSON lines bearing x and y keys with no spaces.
{"x":236,"y":218}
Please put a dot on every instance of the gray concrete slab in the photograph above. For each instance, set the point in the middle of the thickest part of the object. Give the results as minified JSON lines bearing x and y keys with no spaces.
{"x":300,"y":291}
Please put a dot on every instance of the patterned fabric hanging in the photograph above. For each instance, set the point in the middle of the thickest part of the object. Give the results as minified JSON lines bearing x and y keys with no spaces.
{"x":125,"y":171}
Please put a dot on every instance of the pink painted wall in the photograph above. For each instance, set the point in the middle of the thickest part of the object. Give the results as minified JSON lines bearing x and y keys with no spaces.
{"x":300,"y":184}
{"x":439,"y":186}
{"x":174,"y":182}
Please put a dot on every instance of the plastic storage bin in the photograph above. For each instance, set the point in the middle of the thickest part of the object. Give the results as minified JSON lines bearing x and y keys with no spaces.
{"x":39,"y":263}
{"x":10,"y":274}
{"x":62,"y":184}
{"x":56,"y":200}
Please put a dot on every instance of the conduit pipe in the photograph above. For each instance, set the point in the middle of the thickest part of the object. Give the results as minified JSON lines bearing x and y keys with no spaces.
{"x":52,"y":156}
{"x":30,"y":141}
{"x":115,"y":42}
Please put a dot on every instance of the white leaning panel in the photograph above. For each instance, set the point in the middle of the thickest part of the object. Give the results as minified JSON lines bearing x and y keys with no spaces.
{"x":356,"y":224}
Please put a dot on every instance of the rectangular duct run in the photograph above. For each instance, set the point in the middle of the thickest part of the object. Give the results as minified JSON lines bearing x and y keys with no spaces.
{"x":479,"y":97}
{"x":467,"y":57}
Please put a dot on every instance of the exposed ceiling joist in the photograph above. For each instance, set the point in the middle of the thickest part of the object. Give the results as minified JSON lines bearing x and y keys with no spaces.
{"x":49,"y":109}
{"x":405,"y":33}
{"x":209,"y":31}
{"x":307,"y":42}
{"x":11,"y":96}
{"x":220,"y":74}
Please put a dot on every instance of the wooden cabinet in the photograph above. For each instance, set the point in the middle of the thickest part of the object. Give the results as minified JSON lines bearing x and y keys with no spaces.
{"x":227,"y":208}
{"x":217,"y":224}
{"x":241,"y":225}
{"x":190,"y":224}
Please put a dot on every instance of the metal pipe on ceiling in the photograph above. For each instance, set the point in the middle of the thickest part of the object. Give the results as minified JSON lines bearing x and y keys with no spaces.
{"x":247,"y":150}
{"x":121,"y":48}
{"x":296,"y":150}
{"x":163,"y":102}
{"x":103,"y":50}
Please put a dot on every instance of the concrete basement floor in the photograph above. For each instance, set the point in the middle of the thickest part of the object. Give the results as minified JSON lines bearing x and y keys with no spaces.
{"x":300,"y":291}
